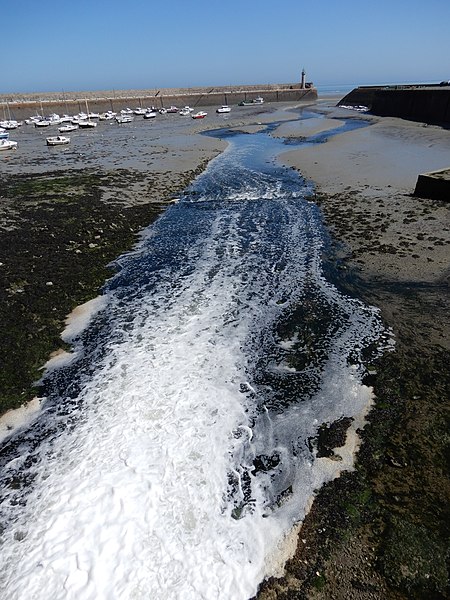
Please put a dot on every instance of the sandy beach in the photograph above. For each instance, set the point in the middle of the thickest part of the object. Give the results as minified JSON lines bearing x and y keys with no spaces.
{"x":377,"y":532}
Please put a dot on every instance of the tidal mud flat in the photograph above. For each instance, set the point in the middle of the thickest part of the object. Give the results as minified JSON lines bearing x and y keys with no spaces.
{"x":351,"y":544}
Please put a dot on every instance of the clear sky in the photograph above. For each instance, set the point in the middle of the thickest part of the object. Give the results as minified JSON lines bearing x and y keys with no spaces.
{"x":76,"y":45}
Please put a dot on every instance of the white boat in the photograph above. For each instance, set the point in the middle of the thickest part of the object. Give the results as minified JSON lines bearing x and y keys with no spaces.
{"x":10,"y":124}
{"x":224,"y":109}
{"x":172,"y":109}
{"x":107,"y":116}
{"x":54,"y":119}
{"x":4,"y":135}
{"x":126,"y":111}
{"x":150,"y":114}
{"x":162,"y":111}
{"x":201,"y":114}
{"x":86,"y":123}
{"x":7,"y":145}
{"x":124,"y":118}
{"x":67,"y":128}
{"x":42,"y":123}
{"x":185,"y":112}
{"x":57,"y":140}
{"x":258,"y":100}
{"x":33,"y":120}
{"x":140,"y":111}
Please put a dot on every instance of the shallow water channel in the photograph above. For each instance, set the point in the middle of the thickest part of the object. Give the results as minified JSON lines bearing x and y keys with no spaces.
{"x":176,"y":448}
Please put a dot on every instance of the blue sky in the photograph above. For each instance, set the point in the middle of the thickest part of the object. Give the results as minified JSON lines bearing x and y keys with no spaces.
{"x":96,"y":45}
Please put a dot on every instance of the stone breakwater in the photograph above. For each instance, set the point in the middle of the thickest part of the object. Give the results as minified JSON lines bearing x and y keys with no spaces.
{"x":426,"y":103}
{"x":25,"y":105}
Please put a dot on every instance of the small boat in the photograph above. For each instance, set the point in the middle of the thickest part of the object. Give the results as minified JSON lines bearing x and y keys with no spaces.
{"x":85,"y":119}
{"x":246,"y":103}
{"x":42,"y":123}
{"x":172,"y":109}
{"x":185,"y":112}
{"x":67,"y":128}
{"x":107,"y":116}
{"x":124,"y":118}
{"x":223,"y":109}
{"x":201,"y":114}
{"x":162,"y":111}
{"x":7,"y":145}
{"x":57,"y":140}
{"x":4,"y":135}
{"x":258,"y":100}
{"x":87,"y":124}
{"x":32,"y":120}
{"x":11,"y":124}
{"x":54,"y":119}
{"x":150,"y":114}
{"x":140,"y":111}
{"x":126,"y":111}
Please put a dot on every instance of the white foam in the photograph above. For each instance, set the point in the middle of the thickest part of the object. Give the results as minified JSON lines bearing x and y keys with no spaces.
{"x":19,"y":418}
{"x":80,"y":317}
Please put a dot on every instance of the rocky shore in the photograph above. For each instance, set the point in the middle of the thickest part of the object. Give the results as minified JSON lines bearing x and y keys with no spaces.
{"x":380,"y":531}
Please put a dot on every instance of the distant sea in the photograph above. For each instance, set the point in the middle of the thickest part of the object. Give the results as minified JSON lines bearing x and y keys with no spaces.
{"x":341,"y":89}
{"x":337,"y":89}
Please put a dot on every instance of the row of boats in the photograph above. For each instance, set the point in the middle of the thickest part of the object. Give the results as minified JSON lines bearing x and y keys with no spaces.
{"x":90,"y":119}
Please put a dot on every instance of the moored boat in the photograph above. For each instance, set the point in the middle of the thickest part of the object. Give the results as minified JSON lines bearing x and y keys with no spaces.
{"x":124,"y":118}
{"x":149,"y":114}
{"x":57,"y":140}
{"x":87,"y":124}
{"x":10,"y":124}
{"x":7,"y":145}
{"x":223,"y":109}
{"x":107,"y":116}
{"x":201,"y":114}
{"x":67,"y":128}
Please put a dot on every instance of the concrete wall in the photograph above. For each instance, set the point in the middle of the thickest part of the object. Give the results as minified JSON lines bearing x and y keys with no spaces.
{"x":435,"y":185}
{"x":429,"y":104}
{"x":26,"y":106}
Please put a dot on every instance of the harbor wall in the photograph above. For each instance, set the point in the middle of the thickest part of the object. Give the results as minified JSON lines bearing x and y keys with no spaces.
{"x":427,"y":103}
{"x":434,"y":185}
{"x":24,"y":106}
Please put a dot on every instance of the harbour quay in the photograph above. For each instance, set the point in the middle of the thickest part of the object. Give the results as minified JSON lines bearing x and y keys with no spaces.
{"x":22,"y":106}
{"x":426,"y":102}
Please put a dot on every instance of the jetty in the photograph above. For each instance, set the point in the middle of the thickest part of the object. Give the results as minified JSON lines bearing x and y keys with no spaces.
{"x":425,"y":102}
